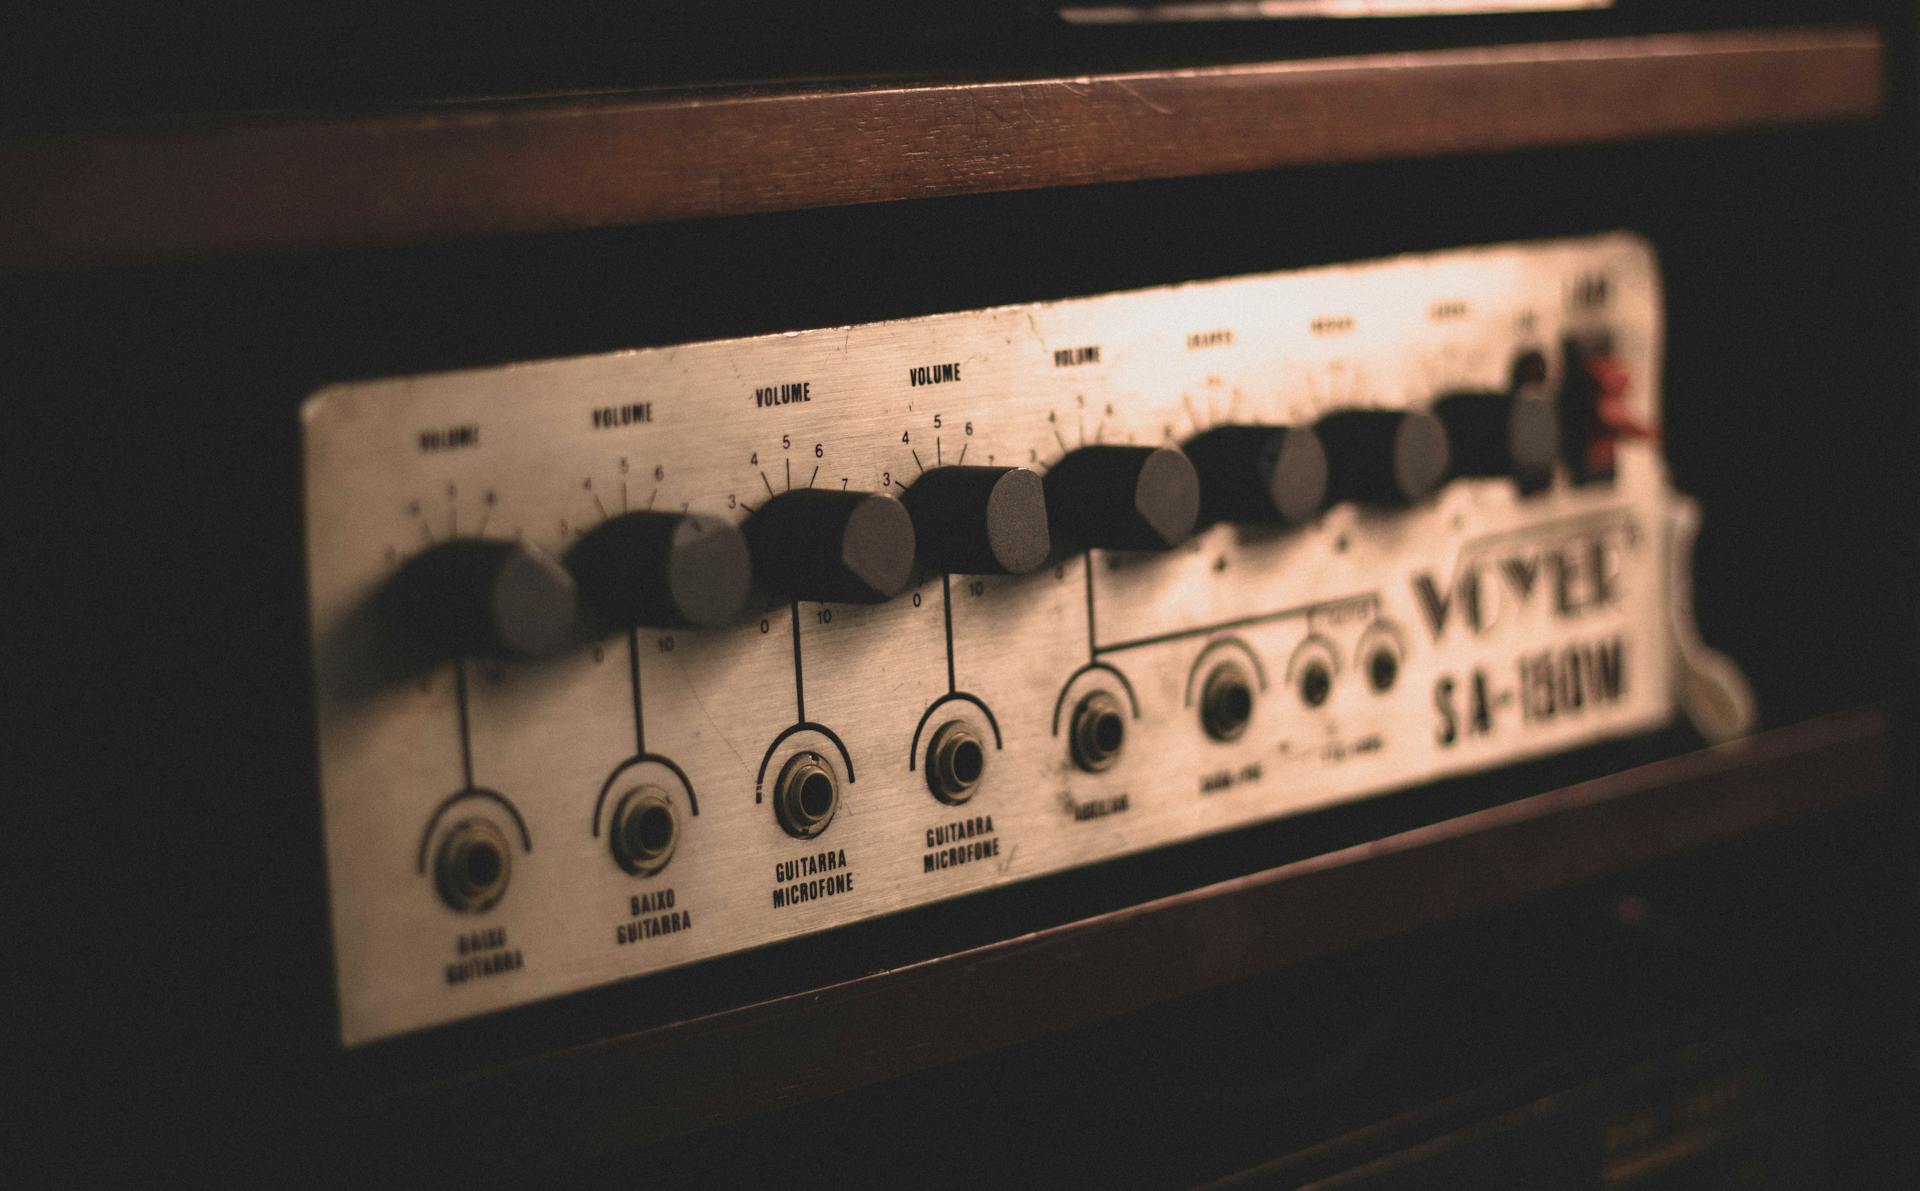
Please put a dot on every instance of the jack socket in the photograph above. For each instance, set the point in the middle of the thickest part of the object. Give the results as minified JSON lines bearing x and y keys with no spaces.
{"x":1226,"y":702}
{"x":1099,"y":730}
{"x":956,"y":761}
{"x":644,"y":831}
{"x":472,"y":866}
{"x":805,"y":795}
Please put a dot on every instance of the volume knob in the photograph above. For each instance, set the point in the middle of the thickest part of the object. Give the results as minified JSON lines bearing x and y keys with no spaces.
{"x":1501,"y":434}
{"x":1123,"y":498}
{"x":846,"y":547}
{"x":1260,"y":474}
{"x":1383,"y":456}
{"x":484,"y":597}
{"x":663,"y":569}
{"x":980,"y":520}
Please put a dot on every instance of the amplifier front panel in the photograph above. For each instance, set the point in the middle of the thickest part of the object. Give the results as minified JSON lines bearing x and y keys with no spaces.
{"x":1379,"y":648}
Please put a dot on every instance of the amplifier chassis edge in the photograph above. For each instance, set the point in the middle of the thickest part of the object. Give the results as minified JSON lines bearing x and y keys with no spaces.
{"x":540,"y":772}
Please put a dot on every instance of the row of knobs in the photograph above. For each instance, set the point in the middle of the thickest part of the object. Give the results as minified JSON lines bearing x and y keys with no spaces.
{"x":491,"y":597}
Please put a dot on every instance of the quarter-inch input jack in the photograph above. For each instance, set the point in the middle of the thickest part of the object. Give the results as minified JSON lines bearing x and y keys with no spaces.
{"x":1226,"y":702}
{"x":956,"y":761}
{"x":806,"y":795}
{"x":472,"y":866}
{"x":1099,"y":730}
{"x":645,"y":830}
{"x":1316,"y":683}
{"x":1383,"y":670}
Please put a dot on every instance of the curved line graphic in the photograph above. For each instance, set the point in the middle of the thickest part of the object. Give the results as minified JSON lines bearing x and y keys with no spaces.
{"x":1059,"y":702}
{"x":1381,"y":628}
{"x":1333,"y":655}
{"x":526,"y":841}
{"x":913,"y":750}
{"x":760,"y":777}
{"x":1259,"y":668}
{"x":600,"y":803}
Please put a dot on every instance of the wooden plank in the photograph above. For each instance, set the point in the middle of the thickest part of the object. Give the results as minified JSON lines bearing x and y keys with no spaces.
{"x":511,"y":168}
{"x":679,"y":1078}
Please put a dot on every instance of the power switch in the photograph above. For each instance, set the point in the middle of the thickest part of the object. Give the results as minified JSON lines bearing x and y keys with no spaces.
{"x":1595,"y":414}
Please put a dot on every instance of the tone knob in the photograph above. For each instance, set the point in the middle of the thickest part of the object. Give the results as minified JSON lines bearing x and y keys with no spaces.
{"x":1501,"y":434}
{"x":1383,"y":456}
{"x":663,"y":569}
{"x":484,"y":597}
{"x":1260,"y":474}
{"x":845,"y":547}
{"x":980,"y":520}
{"x":1123,"y":498}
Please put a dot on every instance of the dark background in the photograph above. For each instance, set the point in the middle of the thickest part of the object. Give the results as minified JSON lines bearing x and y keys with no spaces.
{"x":78,"y":61}
{"x":165,"y":878}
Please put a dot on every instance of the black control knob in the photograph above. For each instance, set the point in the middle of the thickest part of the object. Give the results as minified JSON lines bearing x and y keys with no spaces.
{"x":1123,"y":498}
{"x":980,"y":520}
{"x":663,"y":569}
{"x":1383,"y":456}
{"x":846,"y":547}
{"x":1501,"y":434}
{"x":1260,"y":474}
{"x":484,"y":597}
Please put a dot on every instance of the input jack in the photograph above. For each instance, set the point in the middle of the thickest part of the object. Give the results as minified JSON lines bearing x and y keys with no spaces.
{"x":1383,"y":670}
{"x":645,"y":830}
{"x":472,"y":866}
{"x":1099,"y":730}
{"x":1226,"y":702}
{"x":806,"y":795}
{"x":956,"y":761}
{"x":1316,"y":683}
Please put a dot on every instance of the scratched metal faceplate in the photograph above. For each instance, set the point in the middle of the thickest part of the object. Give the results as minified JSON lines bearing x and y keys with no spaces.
{"x":544,"y":740}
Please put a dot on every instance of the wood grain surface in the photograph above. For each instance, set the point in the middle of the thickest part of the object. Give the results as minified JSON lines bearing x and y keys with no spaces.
{"x":274,"y":185}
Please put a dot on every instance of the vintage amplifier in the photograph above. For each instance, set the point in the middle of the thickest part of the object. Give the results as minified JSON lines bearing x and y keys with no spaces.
{"x":1153,"y":602}
{"x":628,"y":661}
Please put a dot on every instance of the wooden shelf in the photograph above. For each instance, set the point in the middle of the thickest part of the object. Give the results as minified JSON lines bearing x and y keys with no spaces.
{"x":676,"y":1079}
{"x":511,"y":168}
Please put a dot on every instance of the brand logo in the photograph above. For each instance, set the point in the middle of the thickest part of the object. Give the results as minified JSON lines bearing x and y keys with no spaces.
{"x":1571,"y":573}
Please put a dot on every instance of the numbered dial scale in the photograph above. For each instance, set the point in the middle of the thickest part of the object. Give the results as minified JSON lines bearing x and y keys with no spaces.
{"x":633,"y":660}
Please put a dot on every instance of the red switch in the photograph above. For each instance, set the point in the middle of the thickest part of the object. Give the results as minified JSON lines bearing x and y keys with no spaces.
{"x":1594,"y":413}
